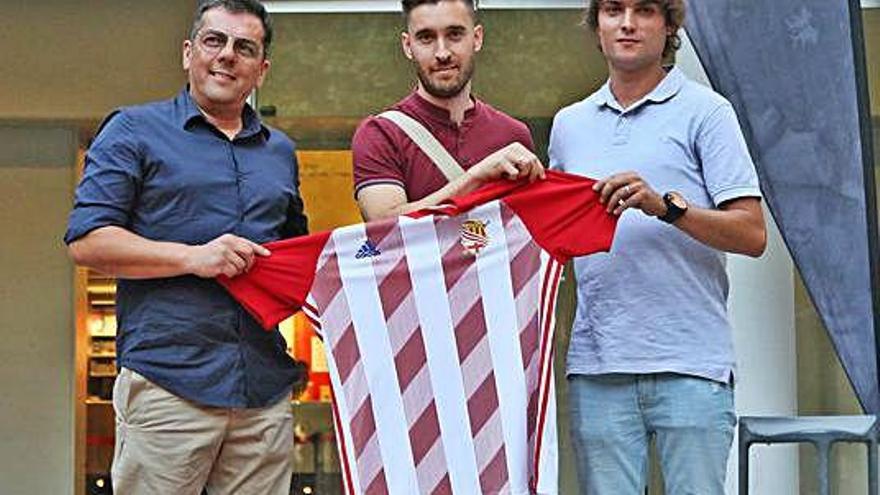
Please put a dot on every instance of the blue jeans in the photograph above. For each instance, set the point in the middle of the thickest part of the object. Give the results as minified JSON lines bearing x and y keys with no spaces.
{"x":614,"y":416}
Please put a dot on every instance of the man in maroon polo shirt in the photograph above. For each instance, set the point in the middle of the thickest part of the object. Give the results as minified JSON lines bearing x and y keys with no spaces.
{"x":392,"y":176}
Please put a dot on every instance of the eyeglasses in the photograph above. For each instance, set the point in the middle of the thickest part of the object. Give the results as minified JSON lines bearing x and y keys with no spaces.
{"x":212,"y":41}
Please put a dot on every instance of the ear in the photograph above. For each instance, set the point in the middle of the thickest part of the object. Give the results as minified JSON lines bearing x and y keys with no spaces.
{"x":187,"y":54}
{"x":405,"y":41}
{"x":264,"y":69}
{"x":478,"y":37}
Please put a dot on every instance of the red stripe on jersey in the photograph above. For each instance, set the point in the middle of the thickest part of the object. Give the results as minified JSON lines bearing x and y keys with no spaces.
{"x":548,"y":331}
{"x":483,"y":403}
{"x":378,"y":486}
{"x":443,"y":488}
{"x":363,"y":426}
{"x":327,"y":280}
{"x":393,"y":291}
{"x":495,"y":475}
{"x":341,"y":445}
{"x":346,"y":353}
{"x":424,"y":432}
{"x":411,"y":358}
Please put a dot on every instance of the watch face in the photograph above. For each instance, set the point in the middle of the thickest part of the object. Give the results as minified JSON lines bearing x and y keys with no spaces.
{"x":677,"y":200}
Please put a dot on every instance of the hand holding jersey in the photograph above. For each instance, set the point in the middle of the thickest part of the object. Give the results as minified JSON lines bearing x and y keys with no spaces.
{"x":512,"y":162}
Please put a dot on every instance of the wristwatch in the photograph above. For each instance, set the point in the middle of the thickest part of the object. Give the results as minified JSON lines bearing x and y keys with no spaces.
{"x":676,"y":206}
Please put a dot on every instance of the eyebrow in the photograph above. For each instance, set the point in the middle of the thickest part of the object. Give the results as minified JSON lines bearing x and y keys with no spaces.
{"x":229,"y":35}
{"x":452,"y":28}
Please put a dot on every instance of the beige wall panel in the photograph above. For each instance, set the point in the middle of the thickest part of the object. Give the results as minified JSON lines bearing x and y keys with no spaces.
{"x":36,"y":351}
{"x":79,"y":59}
{"x":351,"y":65}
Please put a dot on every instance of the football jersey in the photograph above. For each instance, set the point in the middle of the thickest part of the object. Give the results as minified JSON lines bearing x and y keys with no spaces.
{"x":438,"y":331}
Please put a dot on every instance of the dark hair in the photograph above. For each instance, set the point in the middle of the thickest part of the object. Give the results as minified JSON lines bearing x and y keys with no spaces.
{"x":409,"y":5}
{"x":673,"y":10}
{"x":235,"y":6}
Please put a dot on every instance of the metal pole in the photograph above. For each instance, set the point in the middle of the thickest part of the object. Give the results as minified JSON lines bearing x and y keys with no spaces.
{"x":864,"y":109}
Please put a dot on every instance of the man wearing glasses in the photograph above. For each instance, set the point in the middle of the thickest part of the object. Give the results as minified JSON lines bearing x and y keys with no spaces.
{"x":173,"y":194}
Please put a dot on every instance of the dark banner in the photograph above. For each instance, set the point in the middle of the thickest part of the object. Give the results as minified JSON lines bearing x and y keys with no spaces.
{"x":788,"y":67}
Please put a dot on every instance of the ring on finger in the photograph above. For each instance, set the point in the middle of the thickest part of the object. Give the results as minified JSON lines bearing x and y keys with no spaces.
{"x":621,"y":202}
{"x":627,"y":189}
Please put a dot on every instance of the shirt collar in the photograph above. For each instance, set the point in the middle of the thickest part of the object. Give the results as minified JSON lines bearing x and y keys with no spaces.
{"x":190,"y":114}
{"x":440,"y":114}
{"x":668,"y":87}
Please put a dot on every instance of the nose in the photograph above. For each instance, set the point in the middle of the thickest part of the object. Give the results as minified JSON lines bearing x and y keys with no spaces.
{"x":228,"y":50}
{"x":627,"y":23}
{"x":442,"y":53}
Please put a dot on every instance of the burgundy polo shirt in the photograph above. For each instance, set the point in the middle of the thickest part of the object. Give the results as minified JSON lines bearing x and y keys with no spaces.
{"x":384,"y":154}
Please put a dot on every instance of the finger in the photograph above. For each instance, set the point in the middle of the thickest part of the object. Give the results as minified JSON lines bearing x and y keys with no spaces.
{"x":250,"y":262}
{"x":236,"y":261}
{"x":616,"y":207}
{"x":509,"y":170}
{"x":245,"y":250}
{"x":606,"y":194}
{"x":537,"y":169}
{"x":526,"y":166}
{"x":619,"y":199}
{"x":258,"y":249}
{"x":534,"y":173}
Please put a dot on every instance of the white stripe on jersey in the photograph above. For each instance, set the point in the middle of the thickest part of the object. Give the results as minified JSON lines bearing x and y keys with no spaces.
{"x":429,"y":289}
{"x":493,"y":268}
{"x":376,"y":356}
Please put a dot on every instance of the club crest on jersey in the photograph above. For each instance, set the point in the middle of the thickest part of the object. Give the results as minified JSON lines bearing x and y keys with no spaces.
{"x":367,"y":250}
{"x":474,"y":236}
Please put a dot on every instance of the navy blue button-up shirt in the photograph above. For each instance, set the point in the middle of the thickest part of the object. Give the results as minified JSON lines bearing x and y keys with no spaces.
{"x":162,"y":171}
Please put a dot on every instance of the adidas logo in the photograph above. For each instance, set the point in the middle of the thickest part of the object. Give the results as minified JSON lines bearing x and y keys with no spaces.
{"x":367,"y":250}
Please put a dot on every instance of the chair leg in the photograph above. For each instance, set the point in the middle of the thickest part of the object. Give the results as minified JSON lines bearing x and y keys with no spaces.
{"x":872,"y":468}
{"x":743,"y":465}
{"x":823,"y":450}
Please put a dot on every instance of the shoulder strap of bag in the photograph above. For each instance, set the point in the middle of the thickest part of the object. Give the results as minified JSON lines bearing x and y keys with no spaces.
{"x":427,"y":142}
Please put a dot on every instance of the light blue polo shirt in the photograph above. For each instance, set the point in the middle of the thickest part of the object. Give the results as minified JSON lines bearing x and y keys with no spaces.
{"x":657,"y":302}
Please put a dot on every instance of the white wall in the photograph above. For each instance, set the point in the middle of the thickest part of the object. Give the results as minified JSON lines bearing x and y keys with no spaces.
{"x":762,"y":314}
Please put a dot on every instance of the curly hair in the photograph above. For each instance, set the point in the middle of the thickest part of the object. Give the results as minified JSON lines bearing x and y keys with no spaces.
{"x":673,"y":11}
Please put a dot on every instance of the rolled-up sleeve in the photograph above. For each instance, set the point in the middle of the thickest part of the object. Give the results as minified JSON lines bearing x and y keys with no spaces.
{"x":111,"y":178}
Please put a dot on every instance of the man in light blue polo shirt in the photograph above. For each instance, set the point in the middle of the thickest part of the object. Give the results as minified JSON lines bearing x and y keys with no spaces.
{"x":651,"y":351}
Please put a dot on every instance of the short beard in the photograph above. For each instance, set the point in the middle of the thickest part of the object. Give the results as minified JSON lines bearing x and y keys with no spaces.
{"x":445,"y":92}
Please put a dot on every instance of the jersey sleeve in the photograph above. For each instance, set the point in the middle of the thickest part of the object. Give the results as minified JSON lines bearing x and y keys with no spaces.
{"x":564,"y":215}
{"x":277,"y":285}
{"x":374,"y":155}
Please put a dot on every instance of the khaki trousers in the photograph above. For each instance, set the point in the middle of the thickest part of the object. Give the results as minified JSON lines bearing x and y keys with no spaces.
{"x":167,"y":445}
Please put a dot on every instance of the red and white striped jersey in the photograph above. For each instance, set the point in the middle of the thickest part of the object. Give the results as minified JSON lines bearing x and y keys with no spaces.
{"x":438,"y":329}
